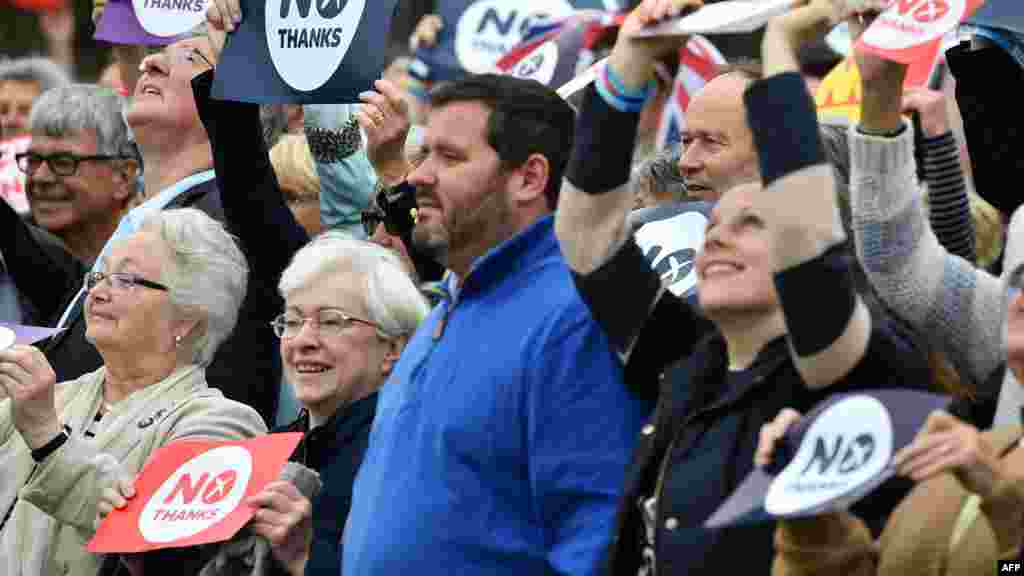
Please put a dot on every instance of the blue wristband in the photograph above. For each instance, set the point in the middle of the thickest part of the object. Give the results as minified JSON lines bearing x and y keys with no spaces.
{"x":613,"y":91}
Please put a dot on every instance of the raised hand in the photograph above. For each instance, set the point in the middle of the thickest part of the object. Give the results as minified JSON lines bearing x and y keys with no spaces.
{"x":222,"y":16}
{"x":930,"y":106}
{"x":384,"y":117}
{"x":633,"y":59}
{"x":29,"y":381}
{"x":946,"y":444}
{"x":770,"y":435}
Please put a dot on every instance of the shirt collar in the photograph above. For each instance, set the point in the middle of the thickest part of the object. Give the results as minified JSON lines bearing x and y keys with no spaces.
{"x":167,"y":195}
{"x":509,"y":256}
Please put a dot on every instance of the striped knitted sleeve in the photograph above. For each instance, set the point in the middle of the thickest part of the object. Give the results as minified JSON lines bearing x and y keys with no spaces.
{"x":948,"y":207}
{"x":943,"y":296}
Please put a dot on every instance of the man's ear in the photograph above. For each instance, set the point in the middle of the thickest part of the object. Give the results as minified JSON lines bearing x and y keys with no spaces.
{"x":533,"y":178}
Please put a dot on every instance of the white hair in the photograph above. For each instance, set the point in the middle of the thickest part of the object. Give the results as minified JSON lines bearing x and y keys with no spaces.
{"x":392,"y":300}
{"x":208,"y":275}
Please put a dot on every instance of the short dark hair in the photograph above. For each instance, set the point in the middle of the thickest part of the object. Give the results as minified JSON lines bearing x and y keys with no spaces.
{"x":526,"y":118}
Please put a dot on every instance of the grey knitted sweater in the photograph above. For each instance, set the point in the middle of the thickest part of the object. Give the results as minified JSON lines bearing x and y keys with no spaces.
{"x":960,"y":308}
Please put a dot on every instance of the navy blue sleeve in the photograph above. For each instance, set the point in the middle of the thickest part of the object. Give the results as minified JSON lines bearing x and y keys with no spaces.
{"x":254,"y":206}
{"x":44,"y":274}
{"x":639,"y":317}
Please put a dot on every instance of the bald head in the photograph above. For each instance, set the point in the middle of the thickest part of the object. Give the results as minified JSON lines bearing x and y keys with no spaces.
{"x":719,"y":147}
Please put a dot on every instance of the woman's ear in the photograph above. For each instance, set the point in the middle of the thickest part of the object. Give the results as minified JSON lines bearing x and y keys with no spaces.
{"x":395,"y":347}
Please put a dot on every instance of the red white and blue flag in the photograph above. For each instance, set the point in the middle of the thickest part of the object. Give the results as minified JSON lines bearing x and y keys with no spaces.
{"x":699,"y":62}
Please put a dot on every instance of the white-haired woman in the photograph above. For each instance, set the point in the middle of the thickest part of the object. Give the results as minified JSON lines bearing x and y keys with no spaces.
{"x":349,"y":309}
{"x":168,"y":297}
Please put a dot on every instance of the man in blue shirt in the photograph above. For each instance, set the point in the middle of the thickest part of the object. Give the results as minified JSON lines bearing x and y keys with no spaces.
{"x":501,"y":437}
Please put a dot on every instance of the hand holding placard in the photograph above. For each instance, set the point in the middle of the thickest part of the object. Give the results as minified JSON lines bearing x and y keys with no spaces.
{"x":909,"y":29}
{"x":843,"y":450}
{"x":633,"y":57}
{"x":947,"y":444}
{"x":193,"y":492}
{"x":118,"y":486}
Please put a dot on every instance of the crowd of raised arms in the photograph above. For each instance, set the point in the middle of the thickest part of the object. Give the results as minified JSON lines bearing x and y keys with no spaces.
{"x":444,"y":289}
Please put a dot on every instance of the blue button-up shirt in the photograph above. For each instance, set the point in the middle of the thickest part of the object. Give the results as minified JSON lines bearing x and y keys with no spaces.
{"x":502,"y":437}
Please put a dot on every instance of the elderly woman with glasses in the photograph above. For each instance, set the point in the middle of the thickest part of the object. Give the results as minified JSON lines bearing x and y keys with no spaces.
{"x":168,"y":298}
{"x":349,"y":309}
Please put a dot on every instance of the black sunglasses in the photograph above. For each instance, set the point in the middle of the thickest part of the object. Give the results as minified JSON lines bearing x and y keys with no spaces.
{"x":395,"y":208}
{"x":373,"y":217}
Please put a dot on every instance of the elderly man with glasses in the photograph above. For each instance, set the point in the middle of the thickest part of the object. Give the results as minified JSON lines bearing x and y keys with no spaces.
{"x":81,"y":167}
{"x":178,"y":159}
{"x":81,"y":172}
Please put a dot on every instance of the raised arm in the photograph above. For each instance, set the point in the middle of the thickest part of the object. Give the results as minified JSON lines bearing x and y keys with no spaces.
{"x":829,"y":339}
{"x":959,"y":307}
{"x":611,"y":273}
{"x":254,"y":206}
{"x":949,"y":207}
{"x":347,"y":180}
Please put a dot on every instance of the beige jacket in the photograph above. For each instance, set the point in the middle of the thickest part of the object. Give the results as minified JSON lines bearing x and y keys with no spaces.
{"x":919,"y":537}
{"x":56,"y":500}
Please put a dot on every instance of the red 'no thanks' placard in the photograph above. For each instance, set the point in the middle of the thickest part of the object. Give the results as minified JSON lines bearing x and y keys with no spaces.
{"x":193,"y":492}
{"x":911,"y":30}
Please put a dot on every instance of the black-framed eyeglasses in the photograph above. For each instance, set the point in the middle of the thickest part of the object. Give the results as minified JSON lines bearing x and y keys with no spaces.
{"x":328,"y":322}
{"x":61,"y":163}
{"x":122,"y":281}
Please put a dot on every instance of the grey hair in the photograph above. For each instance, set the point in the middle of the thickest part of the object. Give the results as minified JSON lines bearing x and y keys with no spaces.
{"x":208,"y":276}
{"x":392,"y":300}
{"x":46,"y":72}
{"x":71,"y":109}
{"x":661,"y":172}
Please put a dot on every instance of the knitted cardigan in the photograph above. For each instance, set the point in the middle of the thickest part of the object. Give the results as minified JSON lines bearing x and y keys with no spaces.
{"x":959,"y":307}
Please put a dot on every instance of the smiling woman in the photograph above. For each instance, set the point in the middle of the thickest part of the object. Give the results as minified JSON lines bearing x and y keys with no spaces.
{"x":350,"y":307}
{"x":168,"y":296}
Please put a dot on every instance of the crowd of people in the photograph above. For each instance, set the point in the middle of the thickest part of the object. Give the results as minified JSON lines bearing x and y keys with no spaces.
{"x":442,"y":290}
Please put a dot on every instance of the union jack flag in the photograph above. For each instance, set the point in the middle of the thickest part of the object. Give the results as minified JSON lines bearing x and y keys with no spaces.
{"x":699,"y":61}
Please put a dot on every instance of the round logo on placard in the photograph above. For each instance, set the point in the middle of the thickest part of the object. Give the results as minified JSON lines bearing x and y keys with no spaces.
{"x":200,"y":493}
{"x":846,"y":447}
{"x":488,"y":29}
{"x":671,"y":246}
{"x":910,"y":23}
{"x":308,"y":39}
{"x":538,"y":65}
{"x":170,"y":17}
{"x":7,"y":337}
